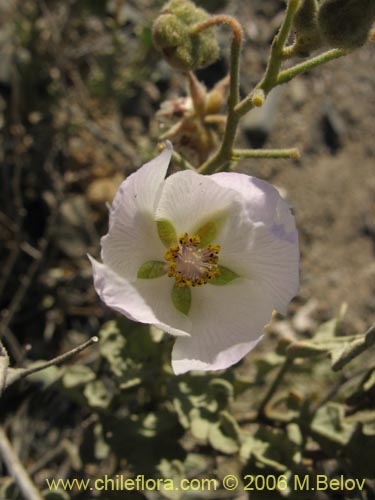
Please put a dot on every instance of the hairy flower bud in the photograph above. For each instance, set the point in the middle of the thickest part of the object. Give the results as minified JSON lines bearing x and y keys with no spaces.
{"x":345,"y":24}
{"x":173,"y":36}
{"x":306,"y":26}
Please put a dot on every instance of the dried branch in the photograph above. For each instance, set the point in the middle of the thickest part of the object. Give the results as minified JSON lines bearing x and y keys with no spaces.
{"x":15,"y":374}
{"x":17,"y":470}
{"x":4,"y":364}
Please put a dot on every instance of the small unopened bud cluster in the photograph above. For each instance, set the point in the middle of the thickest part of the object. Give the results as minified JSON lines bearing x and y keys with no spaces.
{"x":195,"y":121}
{"x":174,"y":37}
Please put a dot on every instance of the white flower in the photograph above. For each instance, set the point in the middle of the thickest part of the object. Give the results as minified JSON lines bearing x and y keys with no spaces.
{"x":205,"y":258}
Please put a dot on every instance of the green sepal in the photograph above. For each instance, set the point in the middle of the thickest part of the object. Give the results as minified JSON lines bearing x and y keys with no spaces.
{"x":181,"y":298}
{"x":152,"y":269}
{"x":208,"y":232}
{"x":167,"y":233}
{"x":225,"y":276}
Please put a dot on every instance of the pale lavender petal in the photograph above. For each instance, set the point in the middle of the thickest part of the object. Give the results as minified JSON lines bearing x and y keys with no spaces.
{"x":263,"y":243}
{"x":132,"y":238}
{"x":262,"y":203}
{"x":227,"y":323}
{"x":146,"y":301}
{"x":254,"y":251}
{"x":275,"y":263}
{"x":188,"y":200}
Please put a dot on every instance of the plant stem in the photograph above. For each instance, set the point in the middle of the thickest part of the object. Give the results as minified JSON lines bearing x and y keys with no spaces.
{"x":271,"y":391}
{"x":17,"y":470}
{"x":237,"y":110}
{"x":224,"y":153}
{"x":355,"y":349}
{"x":18,"y":373}
{"x":235,"y":51}
{"x":181,"y":161}
{"x":272,"y":78}
{"x":288,"y":74}
{"x":265,"y":153}
{"x":269,"y":80}
{"x":4,"y":364}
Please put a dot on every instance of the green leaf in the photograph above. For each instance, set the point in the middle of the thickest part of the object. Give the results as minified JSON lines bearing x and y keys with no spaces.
{"x":199,"y":426}
{"x":225,"y":276}
{"x":77,"y":375}
{"x":224,"y":435}
{"x":304,"y":350}
{"x":152,"y":269}
{"x":98,"y":395}
{"x":181,"y":298}
{"x":167,"y":233}
{"x":101,"y":448}
{"x":329,"y":422}
{"x":221,"y":391}
{"x":112,"y":347}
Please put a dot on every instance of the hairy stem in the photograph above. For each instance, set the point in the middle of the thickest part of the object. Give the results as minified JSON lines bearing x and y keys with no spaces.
{"x":292,"y":153}
{"x":270,"y":78}
{"x":288,"y":74}
{"x":273,"y":77}
{"x":235,"y":109}
{"x":224,"y":153}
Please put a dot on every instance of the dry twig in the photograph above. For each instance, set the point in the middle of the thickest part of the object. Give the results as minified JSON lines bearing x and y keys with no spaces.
{"x":17,"y":470}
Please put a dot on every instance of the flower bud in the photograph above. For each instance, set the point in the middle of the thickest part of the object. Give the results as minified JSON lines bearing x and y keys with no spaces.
{"x":217,"y":97}
{"x":345,"y":24}
{"x":306,"y":26}
{"x":173,"y":37}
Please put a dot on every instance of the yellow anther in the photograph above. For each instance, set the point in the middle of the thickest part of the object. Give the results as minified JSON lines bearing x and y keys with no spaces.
{"x":191,"y":265}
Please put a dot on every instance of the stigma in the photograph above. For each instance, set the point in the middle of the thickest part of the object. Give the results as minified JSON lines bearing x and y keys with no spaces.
{"x":190,"y":264}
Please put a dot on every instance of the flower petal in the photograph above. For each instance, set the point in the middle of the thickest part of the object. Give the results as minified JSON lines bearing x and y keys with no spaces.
{"x":262,"y":203}
{"x":255,"y":251}
{"x":142,"y":188}
{"x":263,"y":243}
{"x":132,"y":238}
{"x":275,"y":263}
{"x":227,"y":323}
{"x":189,"y":200}
{"x":146,"y":301}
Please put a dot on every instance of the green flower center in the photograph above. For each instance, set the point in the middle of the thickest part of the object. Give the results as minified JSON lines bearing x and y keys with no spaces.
{"x":190,"y":264}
